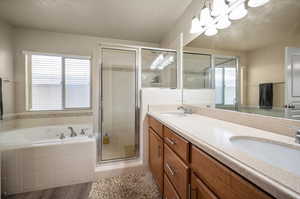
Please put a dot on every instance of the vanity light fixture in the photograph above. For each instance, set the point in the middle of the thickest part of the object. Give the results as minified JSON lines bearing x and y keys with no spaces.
{"x":196,"y":26}
{"x":218,"y":8}
{"x":205,"y":17}
{"x":211,"y":30}
{"x":257,"y":3}
{"x":222,"y":11}
{"x":224,"y":22}
{"x":239,"y":12}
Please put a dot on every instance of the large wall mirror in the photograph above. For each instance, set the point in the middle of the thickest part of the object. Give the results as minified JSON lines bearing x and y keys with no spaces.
{"x":251,"y":66}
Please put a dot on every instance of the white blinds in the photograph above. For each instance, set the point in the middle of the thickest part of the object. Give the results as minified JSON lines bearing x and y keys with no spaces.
{"x":47,"y":91}
{"x":77,"y":83}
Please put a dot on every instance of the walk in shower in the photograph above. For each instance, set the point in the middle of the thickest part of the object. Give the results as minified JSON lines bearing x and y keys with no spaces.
{"x":124,"y":70}
{"x":119,"y":105}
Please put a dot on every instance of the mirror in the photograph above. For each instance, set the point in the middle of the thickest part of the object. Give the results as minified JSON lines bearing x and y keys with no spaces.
{"x":252,"y":66}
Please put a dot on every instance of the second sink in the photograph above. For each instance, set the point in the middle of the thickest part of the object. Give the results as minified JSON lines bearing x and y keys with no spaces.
{"x":277,"y":154}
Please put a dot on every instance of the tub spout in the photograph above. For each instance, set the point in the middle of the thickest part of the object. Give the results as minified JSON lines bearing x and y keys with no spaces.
{"x":73,"y":133}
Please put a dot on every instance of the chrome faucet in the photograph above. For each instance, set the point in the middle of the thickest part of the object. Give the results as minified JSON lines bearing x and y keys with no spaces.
{"x":297,"y":137}
{"x":185,"y":110}
{"x":73,"y":133}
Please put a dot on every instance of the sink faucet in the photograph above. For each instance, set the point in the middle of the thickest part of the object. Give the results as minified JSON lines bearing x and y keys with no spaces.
{"x":297,"y":137}
{"x":73,"y":133}
{"x":185,"y":110}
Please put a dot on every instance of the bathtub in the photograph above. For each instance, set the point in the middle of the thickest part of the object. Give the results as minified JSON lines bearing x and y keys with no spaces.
{"x":37,"y":158}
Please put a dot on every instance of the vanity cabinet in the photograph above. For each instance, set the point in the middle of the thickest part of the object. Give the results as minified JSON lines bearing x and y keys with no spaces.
{"x":199,"y":190}
{"x":225,"y":183}
{"x":183,"y":171}
{"x":156,"y":158}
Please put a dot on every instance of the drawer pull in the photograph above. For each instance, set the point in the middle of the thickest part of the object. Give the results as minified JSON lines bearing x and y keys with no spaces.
{"x":170,"y":169}
{"x":170,"y":141}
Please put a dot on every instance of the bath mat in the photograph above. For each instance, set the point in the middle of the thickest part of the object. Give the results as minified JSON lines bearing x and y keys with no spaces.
{"x":131,"y":186}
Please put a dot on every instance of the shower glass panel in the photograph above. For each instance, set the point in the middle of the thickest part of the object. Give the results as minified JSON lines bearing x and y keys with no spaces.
{"x":119,"y":102}
{"x":196,"y":71}
{"x":159,"y":68}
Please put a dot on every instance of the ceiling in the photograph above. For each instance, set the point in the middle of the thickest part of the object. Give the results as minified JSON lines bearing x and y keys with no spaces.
{"x":139,"y":20}
{"x":277,"y":21}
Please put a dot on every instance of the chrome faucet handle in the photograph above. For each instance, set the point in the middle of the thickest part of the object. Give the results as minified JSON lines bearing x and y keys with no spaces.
{"x":82,"y":132}
{"x":62,"y":136}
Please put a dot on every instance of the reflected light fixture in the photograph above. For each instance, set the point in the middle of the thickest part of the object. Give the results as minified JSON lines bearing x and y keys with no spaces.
{"x":224,"y":22}
{"x":238,"y":13}
{"x":257,"y":3}
{"x":196,"y":26}
{"x":167,"y":61}
{"x":158,"y":60}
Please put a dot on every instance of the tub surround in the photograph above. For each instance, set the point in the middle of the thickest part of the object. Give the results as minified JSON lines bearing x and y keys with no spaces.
{"x":38,"y":159}
{"x":213,"y":136}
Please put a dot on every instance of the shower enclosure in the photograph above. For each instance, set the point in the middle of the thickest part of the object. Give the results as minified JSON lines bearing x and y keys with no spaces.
{"x":124,"y":70}
{"x":118,"y":121}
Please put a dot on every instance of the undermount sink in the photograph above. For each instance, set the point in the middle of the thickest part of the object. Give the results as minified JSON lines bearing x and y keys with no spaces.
{"x":277,"y":154}
{"x":175,"y":113}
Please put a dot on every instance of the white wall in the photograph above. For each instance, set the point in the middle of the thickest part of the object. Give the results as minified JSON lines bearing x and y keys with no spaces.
{"x":6,"y":67}
{"x":154,"y":96}
{"x":51,"y":42}
{"x":183,"y":26}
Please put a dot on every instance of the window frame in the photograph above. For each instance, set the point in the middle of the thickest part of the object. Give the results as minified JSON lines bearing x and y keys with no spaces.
{"x":28,"y":80}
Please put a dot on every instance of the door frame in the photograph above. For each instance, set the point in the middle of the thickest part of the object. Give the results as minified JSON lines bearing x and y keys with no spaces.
{"x":237,"y":81}
{"x":99,"y":96}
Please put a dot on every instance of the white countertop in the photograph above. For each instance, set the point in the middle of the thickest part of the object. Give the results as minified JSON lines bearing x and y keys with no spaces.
{"x":213,"y":136}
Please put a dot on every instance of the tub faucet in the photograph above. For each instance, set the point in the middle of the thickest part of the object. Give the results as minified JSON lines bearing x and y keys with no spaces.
{"x":73,"y":133}
{"x":297,"y":137}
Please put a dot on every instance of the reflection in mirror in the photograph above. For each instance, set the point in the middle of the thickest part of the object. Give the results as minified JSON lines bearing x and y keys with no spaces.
{"x":256,"y":61}
{"x":159,"y":68}
{"x":226,"y":82}
{"x":197,"y":71}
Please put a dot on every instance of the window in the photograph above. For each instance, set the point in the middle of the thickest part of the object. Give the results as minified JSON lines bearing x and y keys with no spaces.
{"x":57,"y":82}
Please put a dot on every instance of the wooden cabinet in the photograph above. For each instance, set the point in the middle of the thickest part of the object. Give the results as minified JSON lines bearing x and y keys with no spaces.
{"x":178,"y":144}
{"x":169,"y":190}
{"x":177,"y":171}
{"x":156,"y":158}
{"x":176,"y":165}
{"x":199,"y":190}
{"x":225,"y":183}
{"x":156,"y":126}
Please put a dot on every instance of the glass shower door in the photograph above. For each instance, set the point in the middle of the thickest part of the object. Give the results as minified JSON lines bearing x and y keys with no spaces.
{"x":119,"y":138}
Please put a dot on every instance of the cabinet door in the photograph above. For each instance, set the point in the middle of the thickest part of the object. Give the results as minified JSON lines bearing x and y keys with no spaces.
{"x":156,"y":158}
{"x":199,"y":189}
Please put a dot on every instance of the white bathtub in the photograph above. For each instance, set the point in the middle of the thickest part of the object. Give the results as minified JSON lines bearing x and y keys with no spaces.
{"x":38,"y":159}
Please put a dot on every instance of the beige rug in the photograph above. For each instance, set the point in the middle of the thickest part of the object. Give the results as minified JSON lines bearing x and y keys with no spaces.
{"x":130,"y":186}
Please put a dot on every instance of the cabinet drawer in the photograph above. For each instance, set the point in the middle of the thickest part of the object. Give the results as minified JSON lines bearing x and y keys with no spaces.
{"x":155,"y":125}
{"x":200,"y":190}
{"x":169,"y":190}
{"x":177,"y":171}
{"x":177,"y":143}
{"x":225,"y":183}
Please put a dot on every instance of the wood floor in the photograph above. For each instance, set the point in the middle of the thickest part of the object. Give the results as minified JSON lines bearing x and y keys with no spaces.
{"x":80,"y":191}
